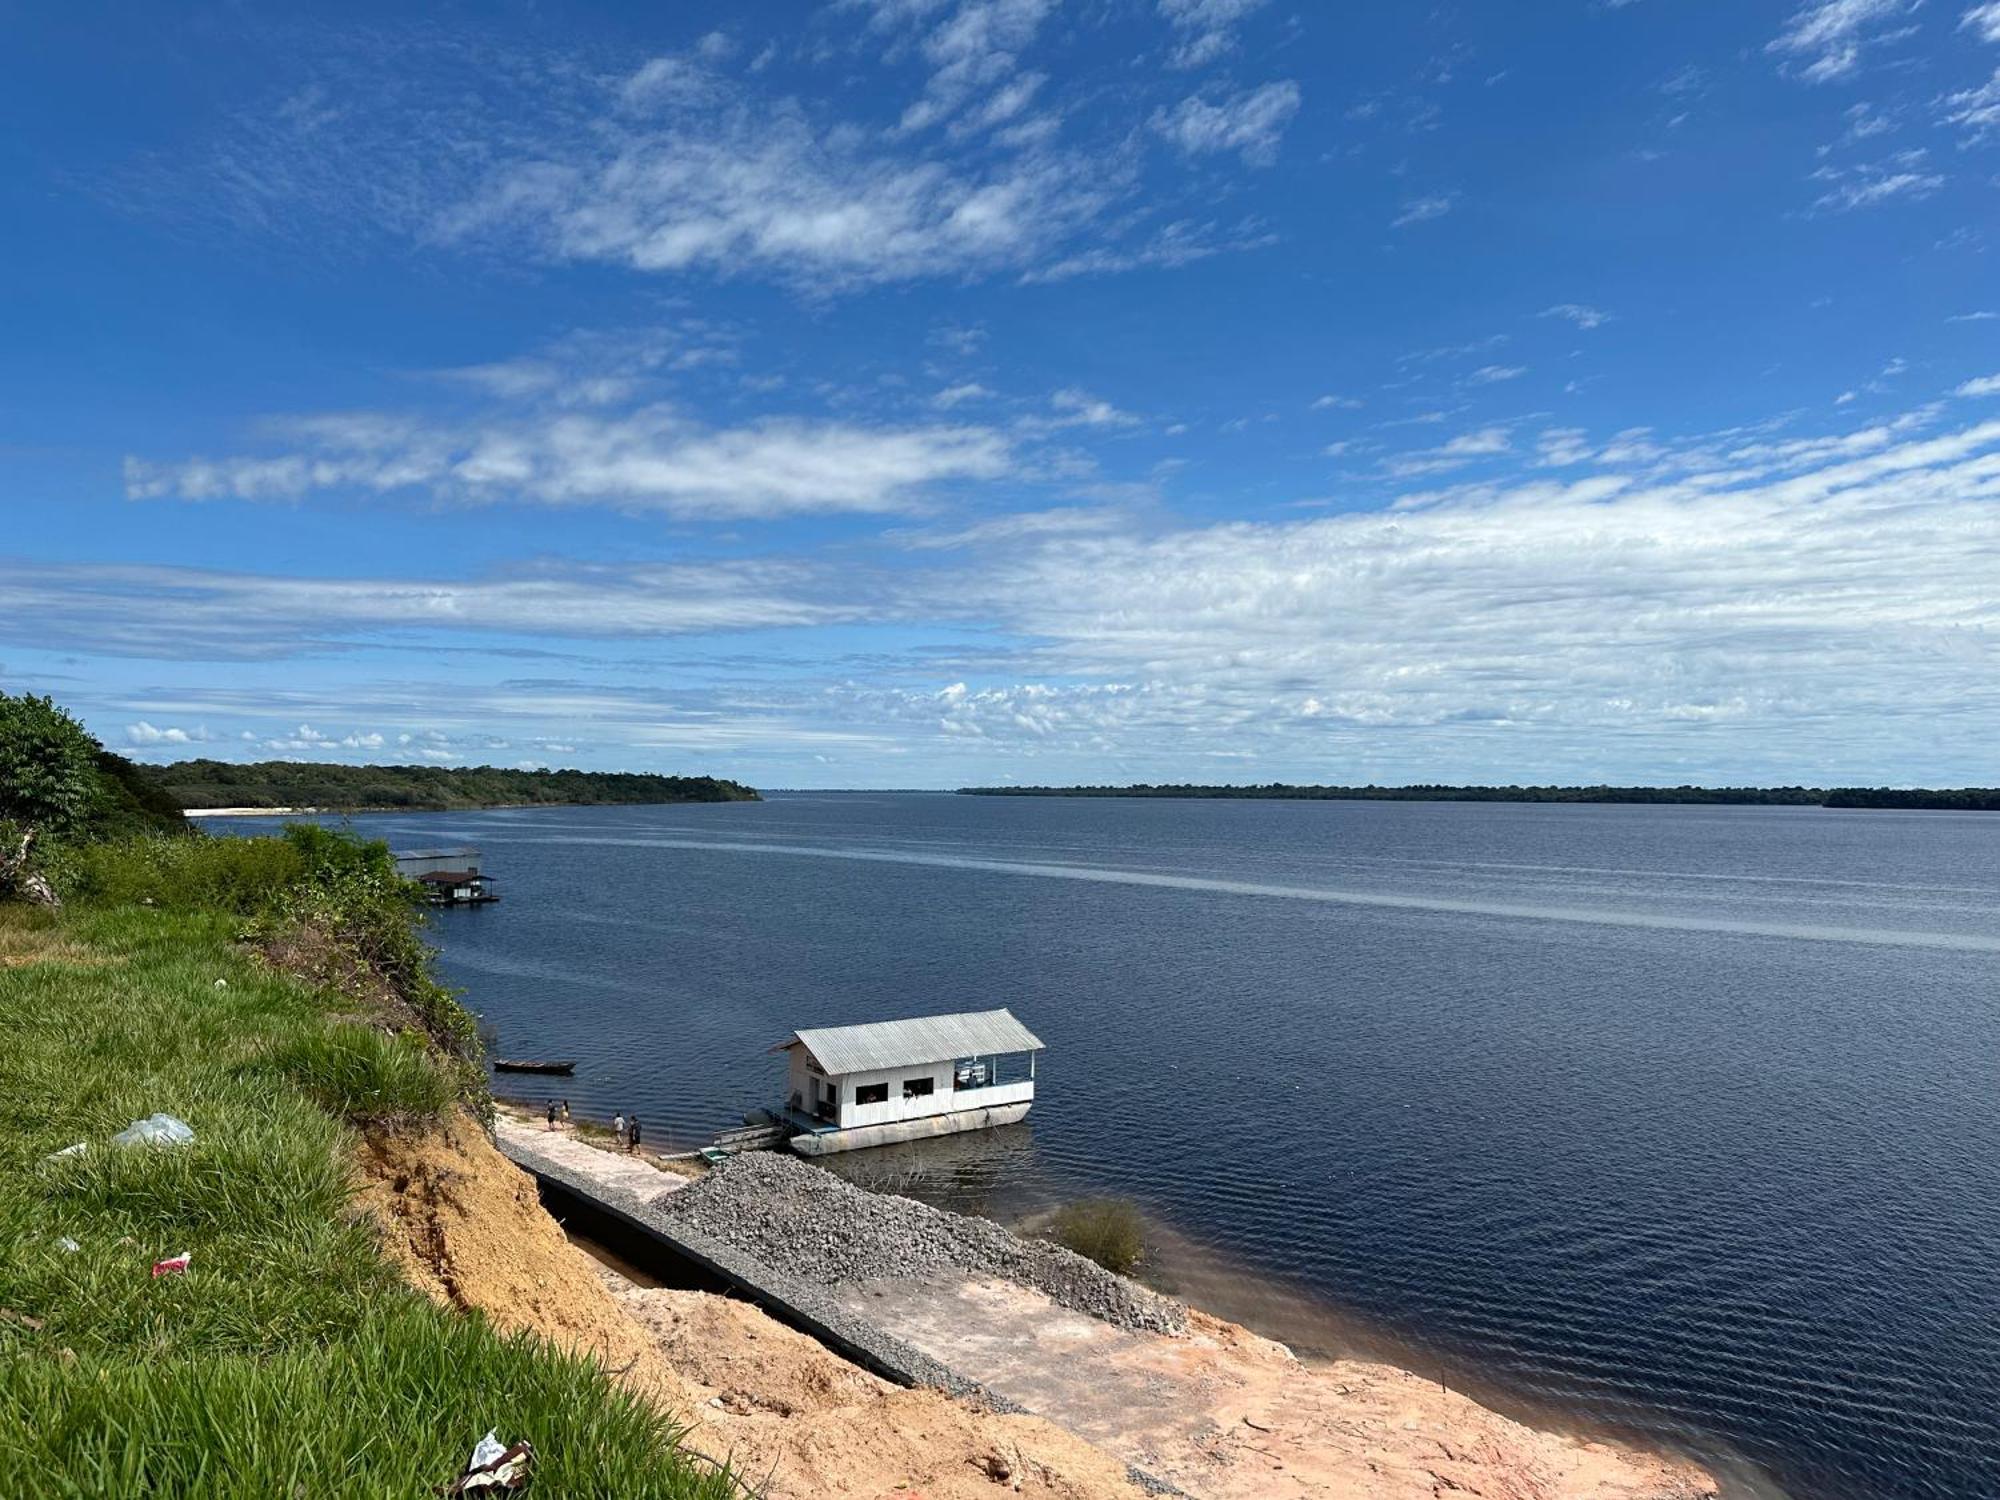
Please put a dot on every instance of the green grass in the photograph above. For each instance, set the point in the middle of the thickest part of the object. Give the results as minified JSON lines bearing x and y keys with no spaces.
{"x":290,"y":1359}
{"x":392,"y":1411}
{"x":368,"y":1076}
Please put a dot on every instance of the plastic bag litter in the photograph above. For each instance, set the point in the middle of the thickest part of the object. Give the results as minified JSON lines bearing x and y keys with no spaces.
{"x":492,"y":1467}
{"x":155,"y":1130}
{"x":173,"y":1265}
{"x":67,"y":1244}
{"x":77,"y":1150}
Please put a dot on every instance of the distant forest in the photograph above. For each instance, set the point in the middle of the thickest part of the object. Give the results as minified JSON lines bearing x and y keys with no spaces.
{"x":196,"y":784}
{"x":1965,"y":799}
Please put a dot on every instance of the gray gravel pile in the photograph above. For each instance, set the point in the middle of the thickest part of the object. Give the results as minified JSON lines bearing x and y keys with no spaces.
{"x":813,"y":1225}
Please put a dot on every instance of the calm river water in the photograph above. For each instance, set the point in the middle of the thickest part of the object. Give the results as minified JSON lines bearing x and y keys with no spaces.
{"x":1680,"y":1121}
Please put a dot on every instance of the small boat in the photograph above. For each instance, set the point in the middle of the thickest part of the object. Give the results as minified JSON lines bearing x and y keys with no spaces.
{"x":533,"y":1065}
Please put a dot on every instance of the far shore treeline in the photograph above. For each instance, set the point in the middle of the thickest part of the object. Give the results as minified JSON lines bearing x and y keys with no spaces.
{"x":1961,"y":799}
{"x":198,"y":784}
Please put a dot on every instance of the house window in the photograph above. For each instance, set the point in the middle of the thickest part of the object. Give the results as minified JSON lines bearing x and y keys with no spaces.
{"x":1014,"y":1067}
{"x":871,"y":1093}
{"x":988,"y":1072}
{"x":970,"y":1073}
{"x":916,"y":1088}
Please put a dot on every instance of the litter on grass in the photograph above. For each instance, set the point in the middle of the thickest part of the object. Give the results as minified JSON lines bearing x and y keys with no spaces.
{"x":492,"y":1467}
{"x":173,"y":1265}
{"x":68,"y":1244}
{"x":154,"y":1130}
{"x":77,"y":1150}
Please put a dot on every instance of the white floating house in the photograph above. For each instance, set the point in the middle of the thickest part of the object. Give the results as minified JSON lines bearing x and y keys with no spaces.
{"x":855,"y":1086}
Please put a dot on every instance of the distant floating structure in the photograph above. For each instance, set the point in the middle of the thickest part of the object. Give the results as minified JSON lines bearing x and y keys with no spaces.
{"x":889,"y":1081}
{"x":450,"y":877}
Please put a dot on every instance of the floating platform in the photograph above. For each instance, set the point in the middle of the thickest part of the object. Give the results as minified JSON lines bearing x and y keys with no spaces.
{"x":821,"y":1139}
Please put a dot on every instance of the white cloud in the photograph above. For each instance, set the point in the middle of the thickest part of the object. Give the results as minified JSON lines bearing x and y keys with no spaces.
{"x":1560,"y":447}
{"x":1975,"y":111}
{"x":687,"y":169}
{"x":1205,"y":28}
{"x":1493,"y":374}
{"x":1577,"y":313}
{"x":143,"y":733}
{"x":1871,"y":184}
{"x":1485,"y":442}
{"x":1865,"y":120}
{"x":1983,"y":19}
{"x":958,"y":395}
{"x":1982,"y":316}
{"x":1250,"y":123}
{"x":1178,"y":244}
{"x":1421,"y":210}
{"x":1020,"y":526}
{"x":973,"y":52}
{"x":1079,"y":408}
{"x":1830,"y":34}
{"x":209,"y":614}
{"x":690,"y":163}
{"x":1985,"y":385}
{"x":1340,"y":403}
{"x":652,"y":458}
{"x":1831,"y":613}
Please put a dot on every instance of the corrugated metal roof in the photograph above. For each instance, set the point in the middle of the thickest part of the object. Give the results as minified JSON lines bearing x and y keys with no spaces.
{"x":922,"y":1039}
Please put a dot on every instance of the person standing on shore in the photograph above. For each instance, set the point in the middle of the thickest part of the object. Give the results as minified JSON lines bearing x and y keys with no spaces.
{"x":552,"y":1115}
{"x":565,"y":1114}
{"x":618,"y":1127}
{"x":632,"y":1134}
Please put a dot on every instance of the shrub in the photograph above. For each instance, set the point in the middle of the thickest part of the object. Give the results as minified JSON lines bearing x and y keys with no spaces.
{"x":48,"y":766}
{"x":239,"y":876}
{"x":1106,"y":1230}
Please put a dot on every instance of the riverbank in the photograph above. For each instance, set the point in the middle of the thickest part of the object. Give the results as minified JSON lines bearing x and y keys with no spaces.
{"x":1908,"y":799}
{"x":1182,"y":1399}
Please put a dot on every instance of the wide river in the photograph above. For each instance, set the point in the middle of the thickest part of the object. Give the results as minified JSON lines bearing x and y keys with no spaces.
{"x":1682,"y":1122}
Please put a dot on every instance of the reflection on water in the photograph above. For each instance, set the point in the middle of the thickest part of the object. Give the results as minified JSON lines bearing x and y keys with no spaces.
{"x":1678,"y":1121}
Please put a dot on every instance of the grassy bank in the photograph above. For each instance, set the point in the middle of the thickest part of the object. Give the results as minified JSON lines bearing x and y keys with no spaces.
{"x":289,"y":1358}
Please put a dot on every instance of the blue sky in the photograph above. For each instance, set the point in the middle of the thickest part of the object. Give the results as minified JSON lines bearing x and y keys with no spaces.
{"x":928,"y":392}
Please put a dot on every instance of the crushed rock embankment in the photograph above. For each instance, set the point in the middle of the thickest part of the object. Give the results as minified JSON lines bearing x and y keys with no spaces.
{"x":810,"y":1224}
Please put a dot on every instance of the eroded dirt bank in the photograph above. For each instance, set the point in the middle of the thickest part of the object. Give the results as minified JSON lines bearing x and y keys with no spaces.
{"x":468,"y":1228}
{"x":1216,"y":1411}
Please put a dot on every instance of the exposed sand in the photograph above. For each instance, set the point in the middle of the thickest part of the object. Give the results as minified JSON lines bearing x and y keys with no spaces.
{"x":250,"y":812}
{"x":1226,"y":1415}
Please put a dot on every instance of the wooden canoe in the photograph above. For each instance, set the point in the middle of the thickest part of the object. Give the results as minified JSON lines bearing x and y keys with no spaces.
{"x":530,"y":1065}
